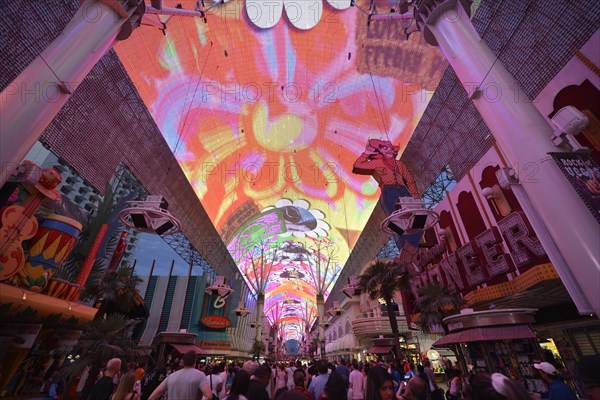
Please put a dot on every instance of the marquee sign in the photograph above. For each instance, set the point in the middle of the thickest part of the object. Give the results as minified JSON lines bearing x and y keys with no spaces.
{"x":483,"y":259}
{"x":214,"y":344}
{"x":384,"y":50}
{"x":214,"y":315}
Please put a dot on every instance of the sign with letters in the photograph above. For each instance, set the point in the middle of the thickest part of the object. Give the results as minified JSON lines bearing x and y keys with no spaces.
{"x":214,"y":314}
{"x":216,"y":322}
{"x":482,"y":259}
{"x":584,"y":175}
{"x":384,"y":50}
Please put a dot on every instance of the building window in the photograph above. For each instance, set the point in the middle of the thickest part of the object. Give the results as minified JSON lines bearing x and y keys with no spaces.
{"x":587,"y":340}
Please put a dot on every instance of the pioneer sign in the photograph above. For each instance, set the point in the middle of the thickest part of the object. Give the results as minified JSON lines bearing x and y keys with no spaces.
{"x":482,"y":260}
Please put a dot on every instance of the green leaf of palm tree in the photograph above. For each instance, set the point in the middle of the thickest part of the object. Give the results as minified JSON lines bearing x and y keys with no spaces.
{"x":436,"y":302}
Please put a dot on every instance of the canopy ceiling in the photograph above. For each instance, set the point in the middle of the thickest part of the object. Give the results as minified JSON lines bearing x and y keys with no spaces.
{"x":266,"y":124}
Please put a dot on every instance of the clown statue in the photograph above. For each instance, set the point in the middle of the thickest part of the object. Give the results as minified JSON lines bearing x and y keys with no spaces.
{"x":395,"y":181}
{"x":379,"y":160}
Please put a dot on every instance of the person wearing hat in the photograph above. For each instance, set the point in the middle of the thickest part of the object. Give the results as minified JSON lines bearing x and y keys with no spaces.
{"x":394,"y":179}
{"x":558,"y":389}
{"x":379,"y":160}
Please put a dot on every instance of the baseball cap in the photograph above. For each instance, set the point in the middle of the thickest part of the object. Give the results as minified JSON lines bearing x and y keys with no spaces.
{"x":547,"y":368}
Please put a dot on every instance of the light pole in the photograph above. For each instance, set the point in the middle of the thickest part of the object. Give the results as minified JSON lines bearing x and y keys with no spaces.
{"x":323,"y":270}
{"x":262,"y":258}
{"x":308,"y":317}
{"x":275,"y":320}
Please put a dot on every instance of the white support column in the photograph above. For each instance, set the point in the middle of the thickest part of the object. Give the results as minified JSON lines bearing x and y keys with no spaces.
{"x":33,"y":99}
{"x":260,"y":305}
{"x":321,"y":311}
{"x":524,"y":137}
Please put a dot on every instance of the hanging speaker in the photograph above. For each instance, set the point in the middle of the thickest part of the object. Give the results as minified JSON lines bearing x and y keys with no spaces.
{"x":395,"y":228}
{"x":419,"y":221}
{"x":139,"y":220}
{"x":150,"y":216}
{"x":164,"y":227}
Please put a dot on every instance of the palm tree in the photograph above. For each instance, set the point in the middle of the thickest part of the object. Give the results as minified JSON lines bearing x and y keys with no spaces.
{"x":258,"y":347}
{"x":102,"y":340}
{"x":115,"y":291}
{"x":435,"y":303}
{"x":84,"y":244}
{"x":110,"y":334}
{"x":382,"y":280}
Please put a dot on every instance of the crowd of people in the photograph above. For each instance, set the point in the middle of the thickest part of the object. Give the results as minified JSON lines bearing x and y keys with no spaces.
{"x":187,"y":378}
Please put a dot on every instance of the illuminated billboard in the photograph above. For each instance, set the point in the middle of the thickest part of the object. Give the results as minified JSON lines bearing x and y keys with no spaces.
{"x":266,"y":124}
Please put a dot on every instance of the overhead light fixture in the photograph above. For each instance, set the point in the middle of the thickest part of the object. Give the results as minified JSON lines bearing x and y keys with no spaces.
{"x":241,"y":310}
{"x":409,"y":218}
{"x":569,"y":122}
{"x":351,"y":289}
{"x":150,"y":216}
{"x":336,"y":310}
{"x":219,"y":288}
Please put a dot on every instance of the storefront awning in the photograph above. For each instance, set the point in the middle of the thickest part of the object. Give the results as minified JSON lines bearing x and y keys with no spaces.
{"x":183,"y":348}
{"x":487,"y":334}
{"x":380,"y":349}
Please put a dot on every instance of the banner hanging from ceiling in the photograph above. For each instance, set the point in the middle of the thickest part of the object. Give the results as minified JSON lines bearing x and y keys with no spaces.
{"x":583,"y":173}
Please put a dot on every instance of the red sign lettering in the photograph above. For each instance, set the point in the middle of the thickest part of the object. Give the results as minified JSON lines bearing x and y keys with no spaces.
{"x":215,"y":322}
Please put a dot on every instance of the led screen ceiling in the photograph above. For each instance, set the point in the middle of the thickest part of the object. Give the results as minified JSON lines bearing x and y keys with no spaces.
{"x":266,"y":124}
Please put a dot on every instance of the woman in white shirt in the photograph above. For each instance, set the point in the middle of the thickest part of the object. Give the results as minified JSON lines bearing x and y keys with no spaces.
{"x":214,"y":380}
{"x":281,"y":378}
{"x":223,"y":375}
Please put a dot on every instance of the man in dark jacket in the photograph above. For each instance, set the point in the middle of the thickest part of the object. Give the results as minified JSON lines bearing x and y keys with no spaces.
{"x":105,"y":386}
{"x":259,"y":381}
{"x":152,"y":379}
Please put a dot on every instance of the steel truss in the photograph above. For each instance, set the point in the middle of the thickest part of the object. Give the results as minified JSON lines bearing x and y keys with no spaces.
{"x":437,"y":190}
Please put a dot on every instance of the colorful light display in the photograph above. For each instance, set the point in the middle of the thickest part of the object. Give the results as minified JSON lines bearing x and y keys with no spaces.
{"x":266,"y":125}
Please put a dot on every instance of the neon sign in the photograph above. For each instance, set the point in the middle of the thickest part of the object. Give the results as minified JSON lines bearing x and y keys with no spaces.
{"x":483,"y":259}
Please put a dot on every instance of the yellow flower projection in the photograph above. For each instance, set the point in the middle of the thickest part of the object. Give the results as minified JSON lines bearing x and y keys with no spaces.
{"x":266,"y":124}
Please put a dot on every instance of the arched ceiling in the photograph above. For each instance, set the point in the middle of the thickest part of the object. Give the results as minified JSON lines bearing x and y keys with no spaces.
{"x":266,"y":125}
